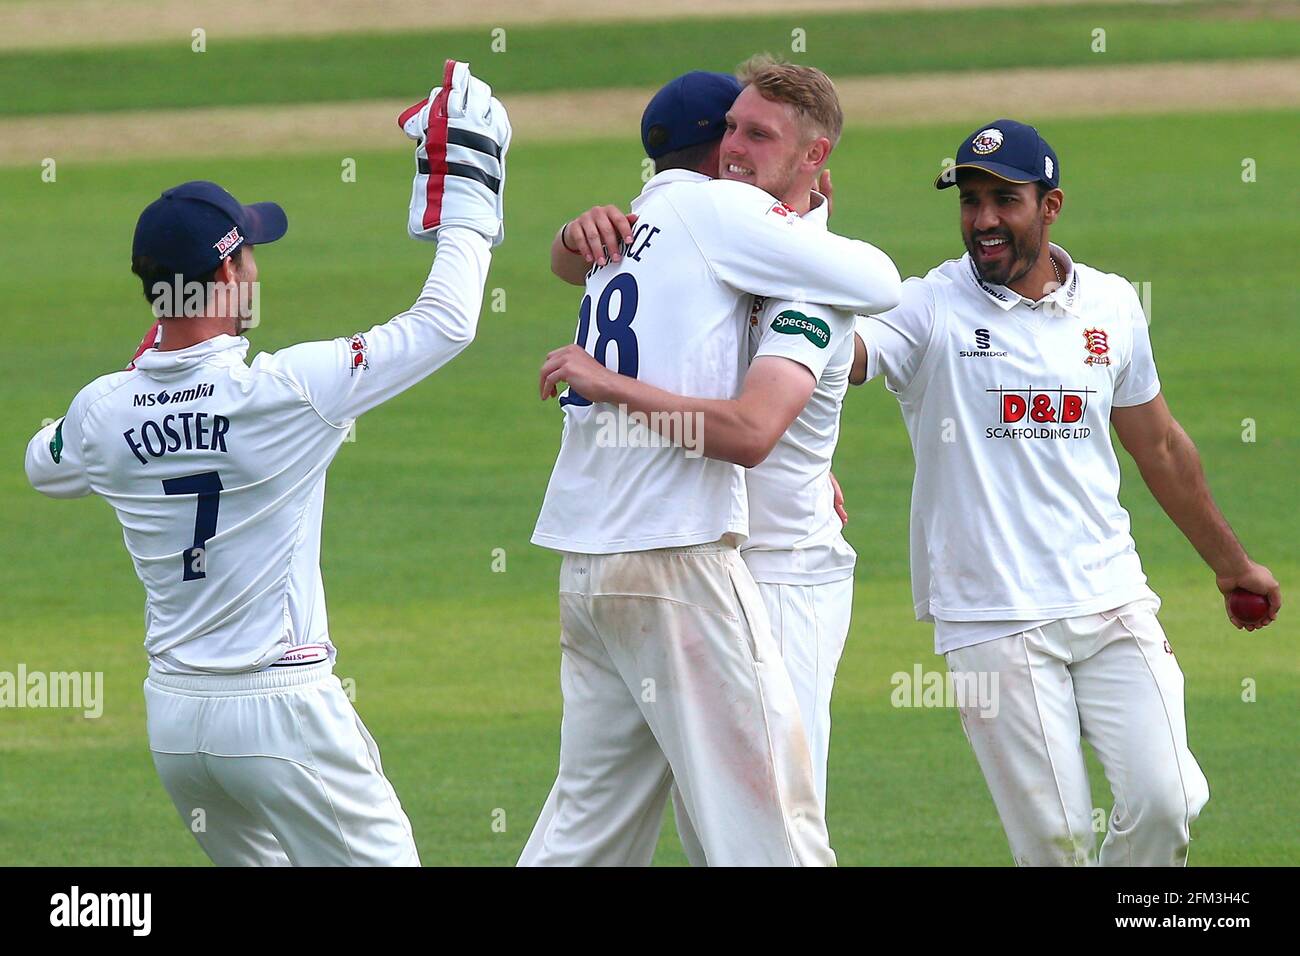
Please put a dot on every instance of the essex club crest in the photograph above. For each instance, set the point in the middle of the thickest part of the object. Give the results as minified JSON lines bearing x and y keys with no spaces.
{"x":357,"y":350}
{"x":1097,"y":346}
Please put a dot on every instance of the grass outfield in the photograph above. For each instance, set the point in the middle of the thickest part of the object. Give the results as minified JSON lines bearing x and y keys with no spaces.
{"x":575,"y":56}
{"x":456,"y":667}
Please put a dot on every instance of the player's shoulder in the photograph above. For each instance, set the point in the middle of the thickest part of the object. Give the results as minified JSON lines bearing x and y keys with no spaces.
{"x":302,"y":370}
{"x":1100,"y":289}
{"x":926,"y":289}
{"x":920,"y":293}
{"x":106,"y":386}
{"x":303,"y":355}
{"x":725,"y":194}
{"x":945,"y":275}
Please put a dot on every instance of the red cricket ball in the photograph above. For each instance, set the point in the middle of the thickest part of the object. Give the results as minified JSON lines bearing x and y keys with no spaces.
{"x":1247,"y":606}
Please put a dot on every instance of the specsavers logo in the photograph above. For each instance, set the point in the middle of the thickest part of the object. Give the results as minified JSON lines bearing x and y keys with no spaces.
{"x":1033,"y":413}
{"x":813,"y":329}
{"x":56,"y":443}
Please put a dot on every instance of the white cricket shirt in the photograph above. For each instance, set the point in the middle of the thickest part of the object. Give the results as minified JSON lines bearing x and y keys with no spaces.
{"x":674,"y":312}
{"x":216,"y":468}
{"x":1016,"y":518}
{"x":794,"y":532}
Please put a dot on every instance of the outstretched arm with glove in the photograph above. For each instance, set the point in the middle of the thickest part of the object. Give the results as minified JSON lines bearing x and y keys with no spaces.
{"x":462,"y":135}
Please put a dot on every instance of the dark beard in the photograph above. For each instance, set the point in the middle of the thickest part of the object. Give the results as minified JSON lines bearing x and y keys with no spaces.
{"x":1024,"y":253}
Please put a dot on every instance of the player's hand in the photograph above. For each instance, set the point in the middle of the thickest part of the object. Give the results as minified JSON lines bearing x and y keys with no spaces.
{"x":462,"y":135}
{"x":1258,"y":579}
{"x":839,"y":501}
{"x":596,"y":234}
{"x":825,"y":188}
{"x":573,"y":364}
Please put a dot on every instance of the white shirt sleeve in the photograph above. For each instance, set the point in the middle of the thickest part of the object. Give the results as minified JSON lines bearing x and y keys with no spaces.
{"x":897,"y":340}
{"x":346,"y":377}
{"x":1137,"y":382}
{"x":803,"y":333}
{"x":755,"y":244}
{"x":55,"y":463}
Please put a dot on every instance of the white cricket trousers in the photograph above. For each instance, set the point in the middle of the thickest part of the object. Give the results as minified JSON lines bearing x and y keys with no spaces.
{"x":810,"y":623}
{"x":1110,"y":679}
{"x":669,"y":672}
{"x":275,"y":768}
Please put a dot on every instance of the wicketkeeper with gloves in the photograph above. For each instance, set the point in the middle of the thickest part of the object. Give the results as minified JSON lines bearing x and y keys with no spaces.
{"x":215,"y":467}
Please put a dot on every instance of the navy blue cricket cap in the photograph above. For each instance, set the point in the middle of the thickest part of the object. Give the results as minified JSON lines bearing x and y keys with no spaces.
{"x":1009,"y":150}
{"x":691,"y":109}
{"x":192,"y":227}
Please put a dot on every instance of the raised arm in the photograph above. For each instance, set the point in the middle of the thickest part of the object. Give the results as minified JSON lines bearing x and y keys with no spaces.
{"x":1171,"y":468}
{"x":462,"y":134}
{"x":755,"y":244}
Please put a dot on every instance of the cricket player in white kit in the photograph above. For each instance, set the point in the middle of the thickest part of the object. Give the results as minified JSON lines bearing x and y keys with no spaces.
{"x":783,"y":428}
{"x":1011,"y":364}
{"x":669,"y":670}
{"x":216,"y":469}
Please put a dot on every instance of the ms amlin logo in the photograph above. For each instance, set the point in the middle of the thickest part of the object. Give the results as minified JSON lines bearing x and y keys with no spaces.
{"x":150,"y":399}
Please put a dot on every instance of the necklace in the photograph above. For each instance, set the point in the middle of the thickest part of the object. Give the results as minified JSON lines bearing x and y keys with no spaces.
{"x":1055,"y":269}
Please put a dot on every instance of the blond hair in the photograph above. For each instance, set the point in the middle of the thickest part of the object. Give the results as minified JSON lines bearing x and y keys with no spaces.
{"x":806,"y":88}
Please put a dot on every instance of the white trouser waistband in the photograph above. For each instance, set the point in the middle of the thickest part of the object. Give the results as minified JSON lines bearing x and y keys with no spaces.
{"x":728,"y":542}
{"x":255,"y":682}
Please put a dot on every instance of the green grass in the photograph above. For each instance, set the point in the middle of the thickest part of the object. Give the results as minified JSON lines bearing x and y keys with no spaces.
{"x":456,"y":667}
{"x":573,"y":56}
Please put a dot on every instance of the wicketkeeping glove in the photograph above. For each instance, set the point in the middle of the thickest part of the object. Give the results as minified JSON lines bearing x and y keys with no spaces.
{"x":462,"y":134}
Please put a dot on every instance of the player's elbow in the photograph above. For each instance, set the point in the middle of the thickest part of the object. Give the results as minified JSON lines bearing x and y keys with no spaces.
{"x":54,"y":486}
{"x":753,"y":448}
{"x":36,"y":474}
{"x":889,"y":287}
{"x":461,"y":334}
{"x":462,"y":338}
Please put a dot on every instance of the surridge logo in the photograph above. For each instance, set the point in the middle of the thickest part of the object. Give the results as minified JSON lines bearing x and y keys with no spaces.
{"x":791,"y":322}
{"x":983,"y":341}
{"x":150,"y":399}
